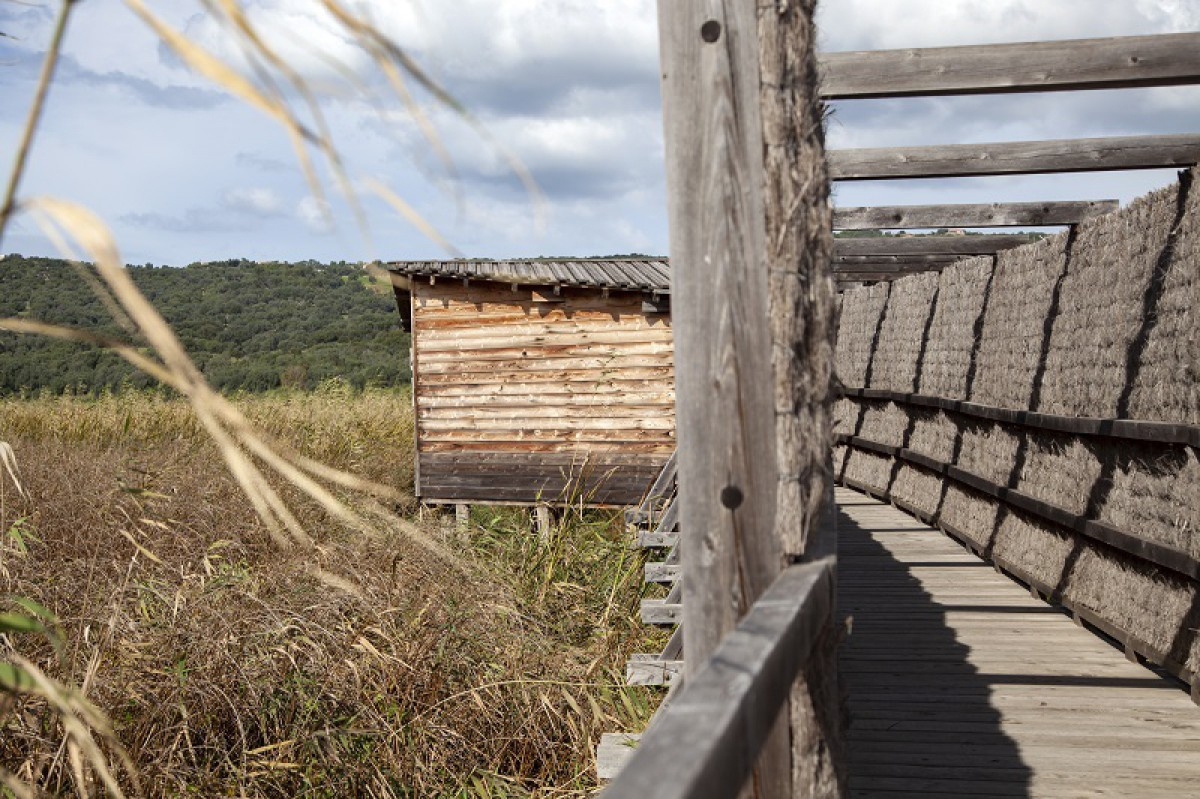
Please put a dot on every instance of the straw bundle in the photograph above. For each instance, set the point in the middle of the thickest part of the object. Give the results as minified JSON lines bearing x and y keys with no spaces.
{"x":1134,"y":597}
{"x":989,"y":451}
{"x":1013,"y":337}
{"x":1033,"y":546}
{"x":917,"y":487}
{"x":973,"y":515}
{"x":867,"y":468}
{"x":903,"y":331}
{"x":883,"y":422}
{"x":862,"y":311}
{"x":1155,"y":495}
{"x":1166,"y":384}
{"x":951,"y":345}
{"x":934,"y":433}
{"x":1059,"y":469}
{"x":1102,"y":307}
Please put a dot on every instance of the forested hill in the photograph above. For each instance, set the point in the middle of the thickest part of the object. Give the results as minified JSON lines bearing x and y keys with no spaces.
{"x":252,"y":326}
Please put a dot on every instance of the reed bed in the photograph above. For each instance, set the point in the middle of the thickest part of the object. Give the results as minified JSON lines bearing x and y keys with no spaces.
{"x":365,"y":665}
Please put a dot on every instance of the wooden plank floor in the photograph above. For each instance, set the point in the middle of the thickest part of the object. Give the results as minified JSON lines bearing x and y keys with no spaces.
{"x":960,"y":683}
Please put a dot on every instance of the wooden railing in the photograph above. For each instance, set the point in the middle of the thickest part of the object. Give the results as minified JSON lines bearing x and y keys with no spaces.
{"x":707,"y":740}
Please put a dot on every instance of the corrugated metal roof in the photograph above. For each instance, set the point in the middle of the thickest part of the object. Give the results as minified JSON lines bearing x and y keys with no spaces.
{"x":640,"y":274}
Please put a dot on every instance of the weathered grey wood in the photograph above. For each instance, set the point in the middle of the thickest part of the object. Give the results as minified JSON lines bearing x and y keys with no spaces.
{"x":714,"y":164}
{"x":1112,"y":63}
{"x":657,"y":540}
{"x":652,"y":670}
{"x":659,"y":611}
{"x":748,"y":206}
{"x":613,"y":751}
{"x":544,"y":521}
{"x":897,"y":217}
{"x":981,"y":244}
{"x":662,"y":572}
{"x":1016,"y":158}
{"x":990,"y":702}
{"x":918,"y":258}
{"x":706,"y":742}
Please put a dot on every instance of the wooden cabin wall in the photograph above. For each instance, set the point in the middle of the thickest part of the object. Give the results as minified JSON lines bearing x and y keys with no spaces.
{"x":527,"y":396}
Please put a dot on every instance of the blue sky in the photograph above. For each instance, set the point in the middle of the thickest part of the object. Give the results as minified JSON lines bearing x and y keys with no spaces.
{"x":182,"y":172}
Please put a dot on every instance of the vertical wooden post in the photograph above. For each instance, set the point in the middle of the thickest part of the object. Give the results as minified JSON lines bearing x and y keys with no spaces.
{"x":462,"y":519}
{"x":753,"y":315}
{"x":543,"y":516}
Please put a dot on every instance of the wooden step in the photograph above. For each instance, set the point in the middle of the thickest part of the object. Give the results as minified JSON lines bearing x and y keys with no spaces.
{"x":657,"y":540}
{"x":652,"y":669}
{"x":660,"y":611}
{"x":614,"y":750}
{"x":662,"y":572}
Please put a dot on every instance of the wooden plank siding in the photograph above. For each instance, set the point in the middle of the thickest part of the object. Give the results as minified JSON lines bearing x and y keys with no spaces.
{"x":525,"y":396}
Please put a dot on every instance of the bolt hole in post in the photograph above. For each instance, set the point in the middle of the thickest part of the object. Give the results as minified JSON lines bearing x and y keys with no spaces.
{"x":710,"y":31}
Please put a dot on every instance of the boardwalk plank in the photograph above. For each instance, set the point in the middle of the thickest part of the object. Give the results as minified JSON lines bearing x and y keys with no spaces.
{"x":961,"y":684}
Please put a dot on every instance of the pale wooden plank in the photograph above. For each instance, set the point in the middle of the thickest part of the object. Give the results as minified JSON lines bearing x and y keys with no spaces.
{"x":1016,"y":158}
{"x":970,"y":215}
{"x":1108,"y":63}
{"x":954,"y":702}
{"x":613,"y":752}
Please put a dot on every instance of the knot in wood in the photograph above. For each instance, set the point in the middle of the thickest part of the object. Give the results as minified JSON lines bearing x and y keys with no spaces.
{"x":710,"y":31}
{"x":731,"y":497}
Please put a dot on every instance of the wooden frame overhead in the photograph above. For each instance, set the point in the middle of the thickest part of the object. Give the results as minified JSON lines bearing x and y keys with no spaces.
{"x":1016,"y":158}
{"x":970,"y":215}
{"x":929,"y":245}
{"x":1112,"y":63}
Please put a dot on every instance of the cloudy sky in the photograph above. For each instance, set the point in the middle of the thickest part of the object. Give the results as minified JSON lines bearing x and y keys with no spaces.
{"x":183,"y":172}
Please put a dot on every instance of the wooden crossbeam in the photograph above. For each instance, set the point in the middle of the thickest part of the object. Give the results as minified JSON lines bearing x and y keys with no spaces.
{"x":925,"y":258}
{"x":929,"y":245}
{"x":970,"y":215}
{"x":1112,"y":63}
{"x":872,"y":277}
{"x":1016,"y":158}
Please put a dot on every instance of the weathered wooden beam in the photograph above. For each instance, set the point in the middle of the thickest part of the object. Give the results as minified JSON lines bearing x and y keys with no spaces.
{"x":970,"y":215}
{"x":708,"y":739}
{"x":652,"y":670}
{"x":912,"y":259}
{"x":1016,"y":158}
{"x":662,"y":572}
{"x":1112,"y":63}
{"x":714,"y":164}
{"x":930,"y":245}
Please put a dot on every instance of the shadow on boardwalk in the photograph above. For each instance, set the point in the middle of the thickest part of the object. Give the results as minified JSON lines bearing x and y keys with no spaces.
{"x":921,"y":723}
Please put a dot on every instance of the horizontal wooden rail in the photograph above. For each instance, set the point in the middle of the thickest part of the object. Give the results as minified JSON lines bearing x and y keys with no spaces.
{"x":970,"y":215}
{"x":928,"y":245}
{"x":1164,"y":557}
{"x":1126,"y":429}
{"x":918,"y":259}
{"x":1016,"y":158}
{"x":707,"y":740}
{"x":1112,"y":63}
{"x":1131,"y":641}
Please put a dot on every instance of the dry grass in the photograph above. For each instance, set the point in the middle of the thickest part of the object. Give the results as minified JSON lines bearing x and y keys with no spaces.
{"x":230,"y":666}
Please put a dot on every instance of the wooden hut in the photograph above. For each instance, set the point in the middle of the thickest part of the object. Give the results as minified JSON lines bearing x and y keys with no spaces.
{"x":546,"y":381}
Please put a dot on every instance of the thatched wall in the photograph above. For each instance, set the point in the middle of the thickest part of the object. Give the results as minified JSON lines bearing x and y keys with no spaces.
{"x":1101,"y":322}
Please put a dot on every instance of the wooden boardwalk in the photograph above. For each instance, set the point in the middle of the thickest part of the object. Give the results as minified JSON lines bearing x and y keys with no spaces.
{"x":961,"y":684}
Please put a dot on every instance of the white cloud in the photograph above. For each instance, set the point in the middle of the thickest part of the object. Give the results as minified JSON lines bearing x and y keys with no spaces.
{"x":259,"y":201}
{"x":569,"y":86}
{"x":316,"y":214}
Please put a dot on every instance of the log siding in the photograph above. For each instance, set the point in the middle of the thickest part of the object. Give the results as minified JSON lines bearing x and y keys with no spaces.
{"x":526,"y":396}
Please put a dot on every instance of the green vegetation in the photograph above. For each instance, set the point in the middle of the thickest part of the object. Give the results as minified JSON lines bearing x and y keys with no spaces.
{"x":368,"y":665}
{"x":249,"y":326}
